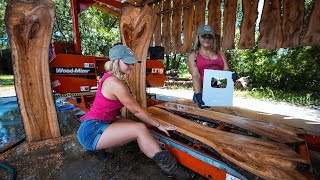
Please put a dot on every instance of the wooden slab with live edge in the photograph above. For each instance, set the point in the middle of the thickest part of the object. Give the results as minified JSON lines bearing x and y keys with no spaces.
{"x":310,"y":126}
{"x":266,"y":159}
{"x":277,"y":132}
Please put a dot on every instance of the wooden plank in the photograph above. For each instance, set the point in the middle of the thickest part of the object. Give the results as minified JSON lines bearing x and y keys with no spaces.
{"x":137,"y":25}
{"x":270,"y":25}
{"x":248,"y":24}
{"x":199,"y":9}
{"x":214,"y":20}
{"x":261,"y":116}
{"x":176,"y":27}
{"x":106,"y":9}
{"x":188,"y":16}
{"x":312,"y":36}
{"x":277,"y":132}
{"x":267,"y":159}
{"x":166,"y":27}
{"x":157,"y":31}
{"x":229,"y":23}
{"x":292,"y":25}
{"x":29,"y":25}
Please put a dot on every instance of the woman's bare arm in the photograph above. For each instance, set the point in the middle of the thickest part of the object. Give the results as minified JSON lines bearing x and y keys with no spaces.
{"x":119,"y":90}
{"x":225,"y":62}
{"x":193,"y":69}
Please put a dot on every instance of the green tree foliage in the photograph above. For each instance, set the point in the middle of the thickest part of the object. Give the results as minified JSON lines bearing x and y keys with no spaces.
{"x":292,"y":69}
{"x":4,"y":43}
{"x":99,"y":31}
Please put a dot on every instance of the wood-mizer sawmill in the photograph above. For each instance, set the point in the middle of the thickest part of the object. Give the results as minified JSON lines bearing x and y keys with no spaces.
{"x":218,"y":142}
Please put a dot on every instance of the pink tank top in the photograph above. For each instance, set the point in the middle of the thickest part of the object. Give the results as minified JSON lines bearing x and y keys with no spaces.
{"x":204,"y":63}
{"x":103,"y":109}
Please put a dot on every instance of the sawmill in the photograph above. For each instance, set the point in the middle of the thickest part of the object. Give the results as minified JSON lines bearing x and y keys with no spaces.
{"x":220,"y":142}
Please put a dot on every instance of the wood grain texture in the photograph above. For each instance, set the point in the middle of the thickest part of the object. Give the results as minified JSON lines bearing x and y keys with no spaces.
{"x":166,"y":27}
{"x":157,"y":31}
{"x":29,"y":25}
{"x":230,"y":9}
{"x":176,"y":27}
{"x":269,"y":160}
{"x":188,"y":17}
{"x":276,"y":132}
{"x":199,"y":15}
{"x":261,"y":116}
{"x":137,"y":25}
{"x":292,"y":25}
{"x":270,"y":25}
{"x":248,"y":24}
{"x":214,"y":20}
{"x":312,"y":36}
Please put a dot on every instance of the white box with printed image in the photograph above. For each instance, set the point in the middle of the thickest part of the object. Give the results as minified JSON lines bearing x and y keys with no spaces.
{"x":217,"y":88}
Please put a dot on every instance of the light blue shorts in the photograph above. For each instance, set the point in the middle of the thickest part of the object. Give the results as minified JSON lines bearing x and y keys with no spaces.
{"x":90,"y":132}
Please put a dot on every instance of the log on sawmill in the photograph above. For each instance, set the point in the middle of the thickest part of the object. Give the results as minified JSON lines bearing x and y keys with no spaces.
{"x":277,"y":132}
{"x":29,"y":26}
{"x":266,"y":159}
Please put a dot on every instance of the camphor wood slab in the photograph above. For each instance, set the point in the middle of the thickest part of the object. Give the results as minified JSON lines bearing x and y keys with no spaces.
{"x":269,"y":160}
{"x":277,"y":132}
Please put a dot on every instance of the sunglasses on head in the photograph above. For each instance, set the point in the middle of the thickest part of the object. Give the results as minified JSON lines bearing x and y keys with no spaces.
{"x":207,"y":36}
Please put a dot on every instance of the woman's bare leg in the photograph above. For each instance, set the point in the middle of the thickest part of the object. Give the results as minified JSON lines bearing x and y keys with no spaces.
{"x":123,"y":131}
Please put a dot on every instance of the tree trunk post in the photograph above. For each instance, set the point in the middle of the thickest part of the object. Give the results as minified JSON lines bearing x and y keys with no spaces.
{"x":29,"y":25}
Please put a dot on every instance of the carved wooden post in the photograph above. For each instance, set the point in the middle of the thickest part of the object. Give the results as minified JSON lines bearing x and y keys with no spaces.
{"x":137,"y":26}
{"x":29,"y":25}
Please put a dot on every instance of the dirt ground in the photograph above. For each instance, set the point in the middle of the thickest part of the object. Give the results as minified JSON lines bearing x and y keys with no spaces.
{"x":64,"y":158}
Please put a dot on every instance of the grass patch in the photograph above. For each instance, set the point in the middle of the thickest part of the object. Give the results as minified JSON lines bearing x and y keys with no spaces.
{"x":6,"y":80}
{"x":301,"y":98}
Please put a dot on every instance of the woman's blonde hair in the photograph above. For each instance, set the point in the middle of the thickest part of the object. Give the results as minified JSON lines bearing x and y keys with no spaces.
{"x":113,"y":68}
{"x":196,"y":44}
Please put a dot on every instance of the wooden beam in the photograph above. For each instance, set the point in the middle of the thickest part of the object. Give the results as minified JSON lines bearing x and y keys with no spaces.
{"x":137,"y":26}
{"x":267,"y":159}
{"x":248,"y":24}
{"x":312,"y":36}
{"x":188,"y":29}
{"x":273,"y":131}
{"x":292,"y":24}
{"x":29,"y":25}
{"x":214,"y":20}
{"x":270,"y":25}
{"x":112,"y":3}
{"x":176,"y":27}
{"x":166,"y":27}
{"x":230,"y":9}
{"x":107,"y":9}
{"x":157,"y":31}
{"x":199,"y":15}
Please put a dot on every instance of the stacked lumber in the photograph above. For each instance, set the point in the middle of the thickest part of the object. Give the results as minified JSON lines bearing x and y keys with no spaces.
{"x":263,"y":149}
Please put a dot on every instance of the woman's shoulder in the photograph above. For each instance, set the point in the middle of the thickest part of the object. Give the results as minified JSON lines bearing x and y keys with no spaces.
{"x":192,"y":54}
{"x":220,"y":53}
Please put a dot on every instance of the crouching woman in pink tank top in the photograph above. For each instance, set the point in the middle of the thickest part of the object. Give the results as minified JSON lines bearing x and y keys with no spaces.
{"x":101,"y":127}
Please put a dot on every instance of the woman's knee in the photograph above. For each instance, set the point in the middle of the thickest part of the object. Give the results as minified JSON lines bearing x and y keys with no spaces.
{"x":141,"y":127}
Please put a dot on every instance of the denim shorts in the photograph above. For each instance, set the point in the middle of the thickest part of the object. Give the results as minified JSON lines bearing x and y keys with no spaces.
{"x":90,"y":132}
